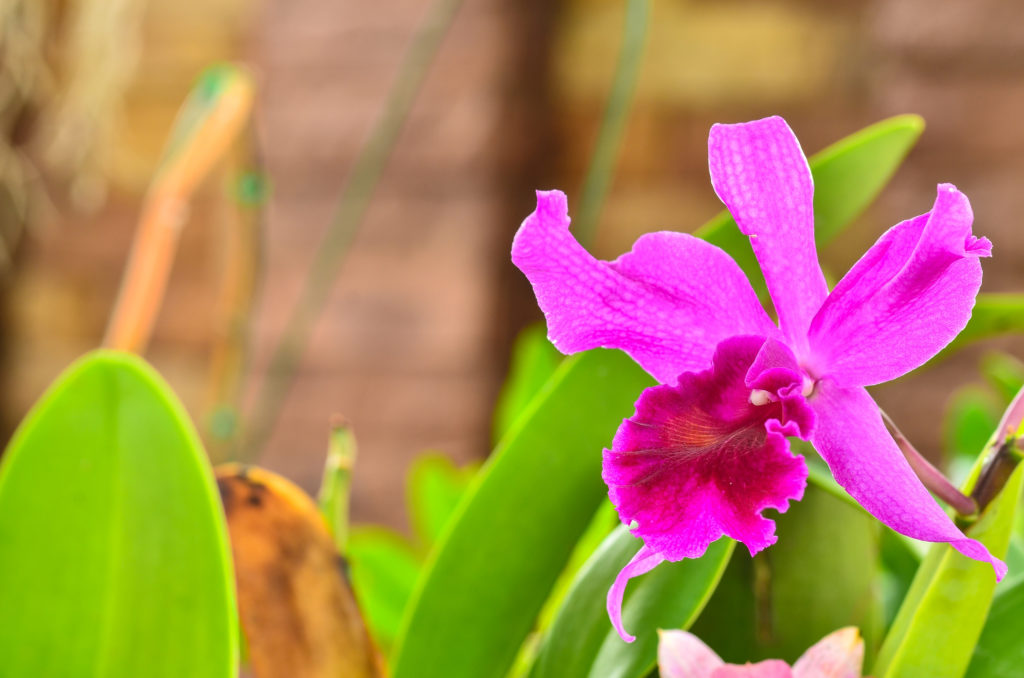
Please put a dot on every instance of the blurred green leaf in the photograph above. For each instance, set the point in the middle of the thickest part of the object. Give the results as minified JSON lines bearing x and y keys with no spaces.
{"x":533,"y":362}
{"x":847,"y":177}
{"x":435,"y":487}
{"x":942,"y":616}
{"x":385,"y":564}
{"x":1005,"y":373}
{"x":515,"y":530}
{"x":582,"y":643}
{"x":384,"y":568}
{"x":993,"y":314}
{"x":971,"y":416}
{"x":114,"y":558}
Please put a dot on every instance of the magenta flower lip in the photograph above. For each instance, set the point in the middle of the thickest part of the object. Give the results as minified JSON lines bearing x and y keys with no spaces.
{"x":706,"y":451}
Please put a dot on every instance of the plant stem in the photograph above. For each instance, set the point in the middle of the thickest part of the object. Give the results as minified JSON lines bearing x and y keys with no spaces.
{"x":613,"y":126}
{"x":208,"y":122}
{"x":336,"y":485}
{"x":932,"y":477}
{"x":1001,"y":464}
{"x":352,"y":204}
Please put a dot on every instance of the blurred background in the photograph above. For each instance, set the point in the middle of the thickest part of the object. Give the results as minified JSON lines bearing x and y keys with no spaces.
{"x":415,"y":334}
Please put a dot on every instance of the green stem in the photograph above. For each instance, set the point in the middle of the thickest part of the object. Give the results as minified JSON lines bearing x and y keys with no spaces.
{"x":336,"y":485}
{"x":354,"y":200}
{"x":613,"y":127}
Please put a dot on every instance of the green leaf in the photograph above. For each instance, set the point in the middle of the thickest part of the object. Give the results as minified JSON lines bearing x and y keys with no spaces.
{"x":435,"y":486}
{"x":515,"y":530}
{"x":847,"y":177}
{"x":817,"y":582}
{"x":114,"y":558}
{"x":1000,"y":652}
{"x":1005,"y":373}
{"x":533,"y":362}
{"x":942,"y":616}
{"x":384,"y":569}
{"x":385,"y":564}
{"x":993,"y":315}
{"x":582,"y":643}
{"x":971,"y":415}
{"x":802,"y":588}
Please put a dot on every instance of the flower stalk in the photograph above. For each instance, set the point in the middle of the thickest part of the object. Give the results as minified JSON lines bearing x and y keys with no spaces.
{"x":930,"y":476}
{"x":1008,"y":453}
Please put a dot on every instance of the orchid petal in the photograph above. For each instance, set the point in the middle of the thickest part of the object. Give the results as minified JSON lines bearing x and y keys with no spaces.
{"x":759,"y":171}
{"x":906,"y":298}
{"x":840,"y":654}
{"x":643,"y":562}
{"x":667,"y":303}
{"x":769,"y":668}
{"x":683,"y":655}
{"x":698,"y":461}
{"x":866,"y":462}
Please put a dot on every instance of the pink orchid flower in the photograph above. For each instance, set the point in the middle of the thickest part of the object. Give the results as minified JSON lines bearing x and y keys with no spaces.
{"x":706,"y":451}
{"x":838,"y":655}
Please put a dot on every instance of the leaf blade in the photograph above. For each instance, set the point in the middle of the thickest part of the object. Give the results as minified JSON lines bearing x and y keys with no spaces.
{"x":512,"y":534}
{"x":110,"y":451}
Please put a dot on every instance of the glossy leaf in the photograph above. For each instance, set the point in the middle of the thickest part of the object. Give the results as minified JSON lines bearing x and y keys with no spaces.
{"x":582,"y":643}
{"x":114,"y":556}
{"x":1000,"y":652}
{"x":942,"y":616}
{"x":847,"y":177}
{"x":514,"y":532}
{"x":297,"y":611}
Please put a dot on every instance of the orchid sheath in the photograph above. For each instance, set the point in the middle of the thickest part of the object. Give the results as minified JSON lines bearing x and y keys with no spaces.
{"x":706,"y":451}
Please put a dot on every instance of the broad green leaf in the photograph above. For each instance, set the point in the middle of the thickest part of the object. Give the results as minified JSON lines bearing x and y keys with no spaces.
{"x":822,"y":575}
{"x":603,"y":524}
{"x":582,"y":643}
{"x":847,"y":177}
{"x":1000,"y":652}
{"x":942,"y":616}
{"x":384,"y":568}
{"x":515,"y":530}
{"x":435,"y":486}
{"x":114,"y":558}
{"x":533,"y":362}
{"x":802,"y":588}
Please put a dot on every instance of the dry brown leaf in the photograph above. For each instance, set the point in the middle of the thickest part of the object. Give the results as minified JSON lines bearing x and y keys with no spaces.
{"x":298,"y":613}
